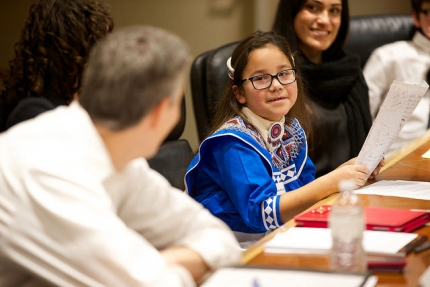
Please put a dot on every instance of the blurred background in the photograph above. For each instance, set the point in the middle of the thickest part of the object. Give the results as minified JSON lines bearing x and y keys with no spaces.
{"x":204,"y":24}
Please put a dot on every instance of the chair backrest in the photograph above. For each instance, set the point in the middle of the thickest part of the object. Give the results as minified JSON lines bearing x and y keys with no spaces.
{"x":209,"y":70}
{"x":366,"y":33}
{"x":208,"y":79}
{"x":172,"y":160}
{"x":174,"y":154}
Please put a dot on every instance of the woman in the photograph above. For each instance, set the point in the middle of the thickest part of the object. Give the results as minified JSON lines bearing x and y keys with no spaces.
{"x":50,"y":57}
{"x":336,"y":90}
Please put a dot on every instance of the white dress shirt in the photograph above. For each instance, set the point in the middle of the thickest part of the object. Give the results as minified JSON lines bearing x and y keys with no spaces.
{"x":68,"y":218}
{"x":404,"y":61}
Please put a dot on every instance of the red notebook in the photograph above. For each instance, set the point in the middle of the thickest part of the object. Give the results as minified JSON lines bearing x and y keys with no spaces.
{"x":384,"y":219}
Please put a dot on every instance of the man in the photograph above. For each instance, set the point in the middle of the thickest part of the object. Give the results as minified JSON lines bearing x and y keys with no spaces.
{"x":79,"y":205}
{"x":404,"y":61}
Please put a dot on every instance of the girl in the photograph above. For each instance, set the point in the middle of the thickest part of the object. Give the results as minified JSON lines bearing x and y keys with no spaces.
{"x":253,"y":172}
{"x":336,"y":90}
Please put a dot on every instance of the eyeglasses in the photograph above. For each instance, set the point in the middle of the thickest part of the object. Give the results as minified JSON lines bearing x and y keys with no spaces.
{"x":426,"y":12}
{"x":264,"y":81}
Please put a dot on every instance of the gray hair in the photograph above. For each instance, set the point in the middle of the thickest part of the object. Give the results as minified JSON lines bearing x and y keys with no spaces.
{"x":130,"y":72}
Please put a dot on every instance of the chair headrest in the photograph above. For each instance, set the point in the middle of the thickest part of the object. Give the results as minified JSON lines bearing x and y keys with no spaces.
{"x":371,"y":31}
{"x":179,"y":128}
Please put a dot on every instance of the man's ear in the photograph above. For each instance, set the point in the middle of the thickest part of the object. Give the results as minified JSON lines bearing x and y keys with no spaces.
{"x":159,"y":112}
{"x":415,"y":17}
{"x":240,"y":96}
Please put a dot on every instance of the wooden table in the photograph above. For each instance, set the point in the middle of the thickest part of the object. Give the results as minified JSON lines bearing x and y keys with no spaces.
{"x":407,"y":164}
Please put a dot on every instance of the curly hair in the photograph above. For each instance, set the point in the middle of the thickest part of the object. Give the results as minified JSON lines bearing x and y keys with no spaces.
{"x":53,"y":49}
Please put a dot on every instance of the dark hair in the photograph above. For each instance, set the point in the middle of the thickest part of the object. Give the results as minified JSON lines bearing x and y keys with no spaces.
{"x":53,"y":48}
{"x":284,"y":25}
{"x":229,"y":106}
{"x":416,"y":5}
{"x":130,"y":72}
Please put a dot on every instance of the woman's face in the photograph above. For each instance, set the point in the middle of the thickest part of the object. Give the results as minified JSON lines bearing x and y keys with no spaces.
{"x":317,"y":25}
{"x":274,"y":102}
{"x":422,"y":21}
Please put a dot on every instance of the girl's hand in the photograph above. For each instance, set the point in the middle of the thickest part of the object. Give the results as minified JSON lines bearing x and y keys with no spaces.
{"x":377,"y":169}
{"x":349,"y":162}
{"x":357,"y":173}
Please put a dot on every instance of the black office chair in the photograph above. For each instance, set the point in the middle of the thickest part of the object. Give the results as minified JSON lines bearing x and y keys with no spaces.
{"x":208,"y":78}
{"x":366,"y":33}
{"x":209,"y":70}
{"x":174,"y":155}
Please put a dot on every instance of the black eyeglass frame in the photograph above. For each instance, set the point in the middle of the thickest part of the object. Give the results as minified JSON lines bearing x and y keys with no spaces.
{"x":251,"y":79}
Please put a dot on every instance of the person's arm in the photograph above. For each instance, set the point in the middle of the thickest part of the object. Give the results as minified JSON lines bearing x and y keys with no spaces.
{"x":378,"y":80}
{"x":246,"y":177}
{"x":185,"y":232}
{"x":296,"y":201}
{"x":188,"y":258}
{"x":65,"y":229}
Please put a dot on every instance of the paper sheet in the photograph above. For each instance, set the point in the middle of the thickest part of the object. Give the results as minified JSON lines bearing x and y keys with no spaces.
{"x":396,"y":109}
{"x":425,"y":278}
{"x":259,"y":277}
{"x":399,"y":188}
{"x":426,"y":154}
{"x":302,"y":240}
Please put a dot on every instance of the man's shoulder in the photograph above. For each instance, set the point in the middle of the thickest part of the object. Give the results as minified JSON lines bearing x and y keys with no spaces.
{"x":396,"y":48}
{"x":55,"y":135}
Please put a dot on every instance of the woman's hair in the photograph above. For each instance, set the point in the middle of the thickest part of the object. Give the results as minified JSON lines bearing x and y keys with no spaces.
{"x":229,"y":106}
{"x":284,"y":25}
{"x":53,"y":48}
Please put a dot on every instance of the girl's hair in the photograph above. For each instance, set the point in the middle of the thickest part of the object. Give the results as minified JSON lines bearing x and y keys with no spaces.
{"x":229,"y":107}
{"x":53,"y":49}
{"x":284,"y":25}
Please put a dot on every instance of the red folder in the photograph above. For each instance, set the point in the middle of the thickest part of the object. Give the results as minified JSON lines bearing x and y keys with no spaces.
{"x":384,"y":219}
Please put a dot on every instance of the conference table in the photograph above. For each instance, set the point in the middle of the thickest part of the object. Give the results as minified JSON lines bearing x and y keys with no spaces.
{"x":406,"y":164}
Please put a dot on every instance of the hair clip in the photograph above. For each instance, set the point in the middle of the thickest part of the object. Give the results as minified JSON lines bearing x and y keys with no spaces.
{"x":230,"y":70}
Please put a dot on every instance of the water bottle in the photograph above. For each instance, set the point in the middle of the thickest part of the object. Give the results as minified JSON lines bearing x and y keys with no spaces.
{"x":347,"y":224}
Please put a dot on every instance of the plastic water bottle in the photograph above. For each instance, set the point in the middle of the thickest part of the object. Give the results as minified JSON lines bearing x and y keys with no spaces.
{"x":347,"y":224}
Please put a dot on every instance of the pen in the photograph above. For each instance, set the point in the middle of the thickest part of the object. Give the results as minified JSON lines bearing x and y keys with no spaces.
{"x":422,"y":247}
{"x":414,"y":243}
{"x":255,"y":283}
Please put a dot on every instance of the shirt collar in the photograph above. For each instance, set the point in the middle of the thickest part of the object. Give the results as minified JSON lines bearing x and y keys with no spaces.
{"x":421,"y":41}
{"x":94,"y":147}
{"x":262,"y":125}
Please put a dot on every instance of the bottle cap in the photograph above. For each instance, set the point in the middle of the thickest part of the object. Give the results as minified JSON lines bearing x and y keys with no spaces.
{"x":347,"y":185}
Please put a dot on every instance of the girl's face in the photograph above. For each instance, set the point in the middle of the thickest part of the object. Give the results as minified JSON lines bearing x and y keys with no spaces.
{"x":317,"y":25}
{"x":274,"y":102}
{"x":423,"y":19}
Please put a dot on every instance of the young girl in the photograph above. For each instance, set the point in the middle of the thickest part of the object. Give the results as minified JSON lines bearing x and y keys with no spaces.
{"x":253,"y":172}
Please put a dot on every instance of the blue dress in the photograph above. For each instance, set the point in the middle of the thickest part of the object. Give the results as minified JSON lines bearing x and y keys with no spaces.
{"x":240,"y":181}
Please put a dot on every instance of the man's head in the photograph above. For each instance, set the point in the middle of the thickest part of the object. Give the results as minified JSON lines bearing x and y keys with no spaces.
{"x":130,"y":72}
{"x":421,"y":15}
